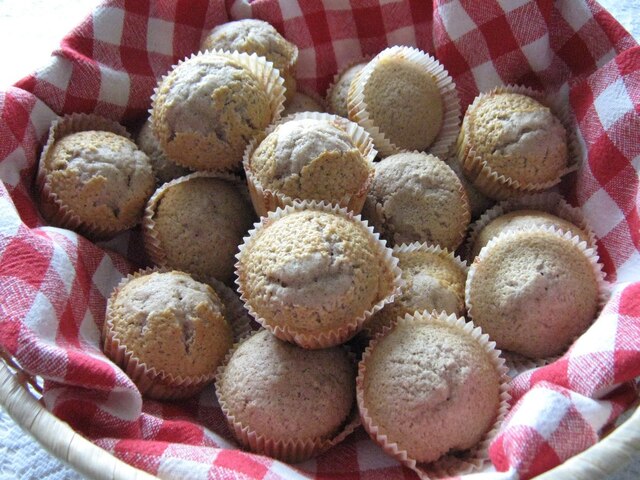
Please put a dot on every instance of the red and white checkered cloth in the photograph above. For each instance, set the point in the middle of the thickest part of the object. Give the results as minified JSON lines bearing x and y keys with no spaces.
{"x":53,"y":283}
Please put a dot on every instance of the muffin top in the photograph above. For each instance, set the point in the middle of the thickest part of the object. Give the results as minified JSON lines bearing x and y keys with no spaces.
{"x":313,"y":271}
{"x":207,"y":109}
{"x":433,"y":280}
{"x":164,"y":169}
{"x":171,"y":323}
{"x":416,"y":197}
{"x":338,"y":93}
{"x":521,"y":220}
{"x":404,"y":102}
{"x":101,"y":176}
{"x":422,"y":385}
{"x":286,"y":393}
{"x":197,"y":226}
{"x":310,"y":159}
{"x":533,"y":291}
{"x":301,"y":102}
{"x":518,"y":137}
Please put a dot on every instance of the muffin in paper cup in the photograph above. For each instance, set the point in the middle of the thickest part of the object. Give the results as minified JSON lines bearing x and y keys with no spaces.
{"x":534,"y":291}
{"x":307,"y":101}
{"x":198,"y":123}
{"x":335,"y":164}
{"x":526,"y":121}
{"x":92,"y":178}
{"x":313,"y":273}
{"x":237,"y":316}
{"x":184,"y":217}
{"x":419,"y":383}
{"x":338,"y":91}
{"x":547,"y":208}
{"x":264,"y":378}
{"x":183,"y":337}
{"x":424,"y":119}
{"x":434,"y":280}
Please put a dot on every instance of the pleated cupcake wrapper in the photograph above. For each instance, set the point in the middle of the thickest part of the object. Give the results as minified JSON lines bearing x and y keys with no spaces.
{"x":265,"y":199}
{"x":455,"y":260}
{"x":549,"y":202}
{"x":291,"y":451}
{"x":518,"y":364}
{"x":51,"y":205}
{"x":336,"y":78}
{"x":517,"y":360}
{"x":447,"y":465}
{"x":152,"y":244}
{"x":151,"y":382}
{"x":264,"y":71}
{"x":490,"y":182}
{"x":336,"y":335}
{"x":358,"y":108}
{"x":235,"y":313}
{"x":376,"y":214}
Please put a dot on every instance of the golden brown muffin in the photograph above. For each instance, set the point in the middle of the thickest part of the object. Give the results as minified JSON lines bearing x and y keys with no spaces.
{"x":534,"y":291}
{"x":250,"y":35}
{"x":164,"y":169}
{"x":420,"y":385}
{"x":286,"y":395}
{"x":416,"y":197}
{"x":168,"y":332}
{"x":302,"y":102}
{"x":312,"y":274}
{"x":338,"y":92}
{"x":196,"y":223}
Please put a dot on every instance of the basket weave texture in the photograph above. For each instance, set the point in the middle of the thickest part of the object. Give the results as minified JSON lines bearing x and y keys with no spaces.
{"x":54,"y":283}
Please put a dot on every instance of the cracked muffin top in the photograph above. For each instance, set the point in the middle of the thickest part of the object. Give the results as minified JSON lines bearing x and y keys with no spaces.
{"x":518,"y":137}
{"x":285,"y":393}
{"x":101,"y":177}
{"x":250,"y":35}
{"x":311,"y":159}
{"x":313,"y":271}
{"x":417,"y":197}
{"x":171,"y":323}
{"x":422,"y":385}
{"x":207,"y":109}
{"x":164,"y":169}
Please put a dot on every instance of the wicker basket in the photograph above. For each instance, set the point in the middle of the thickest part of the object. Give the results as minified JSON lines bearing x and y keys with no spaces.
{"x":20,"y":394}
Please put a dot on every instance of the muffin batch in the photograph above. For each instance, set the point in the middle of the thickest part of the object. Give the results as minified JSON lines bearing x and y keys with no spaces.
{"x":389,"y":164}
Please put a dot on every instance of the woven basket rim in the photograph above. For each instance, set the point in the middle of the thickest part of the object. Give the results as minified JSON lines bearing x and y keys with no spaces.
{"x":56,"y":436}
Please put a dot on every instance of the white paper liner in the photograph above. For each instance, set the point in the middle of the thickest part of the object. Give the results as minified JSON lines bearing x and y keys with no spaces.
{"x":266,"y":200}
{"x":343,"y":110}
{"x":292,"y":451}
{"x":490,"y":182}
{"x":456,"y":263}
{"x":335,"y":336}
{"x":266,"y":74}
{"x":590,"y":254}
{"x":50,"y":203}
{"x":152,"y":244}
{"x":358,"y":108}
{"x":151,"y":383}
{"x":375,"y":213}
{"x":549,"y":202}
{"x":448,"y":465}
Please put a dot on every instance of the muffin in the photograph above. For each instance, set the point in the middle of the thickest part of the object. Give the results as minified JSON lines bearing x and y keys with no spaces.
{"x":207,"y":109}
{"x":478,"y":202}
{"x":406,"y":101}
{"x":92,"y":178}
{"x":302,"y":102}
{"x":510,"y":144}
{"x":256,"y":36}
{"x":196,"y":223}
{"x":311,"y":157}
{"x":286,"y":402}
{"x":416,"y":197}
{"x":312,"y":274}
{"x":168,"y":333}
{"x":534,"y":291}
{"x":433,"y":280}
{"x":338,"y":92}
{"x":163,"y":168}
{"x":419,"y":387}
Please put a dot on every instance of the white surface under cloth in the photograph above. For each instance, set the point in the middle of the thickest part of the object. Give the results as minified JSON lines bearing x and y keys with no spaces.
{"x":39,"y":25}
